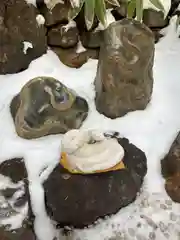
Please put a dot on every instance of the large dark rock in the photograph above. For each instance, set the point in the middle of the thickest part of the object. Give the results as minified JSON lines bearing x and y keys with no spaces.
{"x":170,"y":167}
{"x":14,"y":195}
{"x":18,"y":25}
{"x":79,"y":200}
{"x":73,"y":58}
{"x":63,"y":37}
{"x":45,"y":106}
{"x":124,"y":78}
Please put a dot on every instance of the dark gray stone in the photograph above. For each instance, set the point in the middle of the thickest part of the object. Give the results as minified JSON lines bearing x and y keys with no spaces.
{"x":154,"y":19}
{"x":124,"y":78}
{"x":170,"y":168}
{"x":18,"y":24}
{"x":79,"y":200}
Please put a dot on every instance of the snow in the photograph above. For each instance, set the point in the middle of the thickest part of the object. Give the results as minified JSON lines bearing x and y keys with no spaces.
{"x":52,"y":3}
{"x":80,"y":48}
{"x":71,"y":24}
{"x":40,"y":19}
{"x":153,"y":130}
{"x":166,"y":4}
{"x":33,"y":2}
{"x":26,"y":46}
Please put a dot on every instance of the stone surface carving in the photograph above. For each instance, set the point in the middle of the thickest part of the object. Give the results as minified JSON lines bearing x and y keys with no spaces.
{"x":124,"y":78}
{"x":45,"y":106}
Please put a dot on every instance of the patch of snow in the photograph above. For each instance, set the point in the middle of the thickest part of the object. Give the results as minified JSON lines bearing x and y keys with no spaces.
{"x":71,"y":24}
{"x":52,"y":3}
{"x":153,"y":212}
{"x":40,"y":19}
{"x":80,"y":48}
{"x":33,"y":2}
{"x":5,"y":182}
{"x":166,"y":4}
{"x":16,"y":221}
{"x":26,"y":46}
{"x":75,"y":3}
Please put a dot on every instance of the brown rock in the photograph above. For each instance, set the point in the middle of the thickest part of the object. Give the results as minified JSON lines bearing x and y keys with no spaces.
{"x":79,"y":200}
{"x":154,"y":19}
{"x":124,"y":78}
{"x":71,"y":58}
{"x":59,"y":36}
{"x":170,"y":168}
{"x":57,"y":15}
{"x":45,"y":106}
{"x":91,"y":39}
{"x":18,"y":24}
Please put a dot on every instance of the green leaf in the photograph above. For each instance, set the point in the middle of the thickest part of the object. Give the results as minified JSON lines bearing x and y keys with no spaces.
{"x":89,"y":13}
{"x":74,"y":11}
{"x":100,"y":10}
{"x":139,"y":9}
{"x":131,"y":8}
{"x":113,"y":2}
{"x":158,"y":4}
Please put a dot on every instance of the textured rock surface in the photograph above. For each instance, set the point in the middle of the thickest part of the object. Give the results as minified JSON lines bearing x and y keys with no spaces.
{"x":124,"y":78}
{"x":56,"y":15}
{"x":171,"y":170}
{"x":153,"y":18}
{"x":91,"y":39}
{"x":79,"y":200}
{"x":14,"y":196}
{"x":62,"y":37}
{"x":72,"y":58}
{"x":45,"y":106}
{"x":17,"y":25}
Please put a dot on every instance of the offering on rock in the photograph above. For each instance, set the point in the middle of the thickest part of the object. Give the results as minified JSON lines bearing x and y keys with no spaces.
{"x":97,"y":176}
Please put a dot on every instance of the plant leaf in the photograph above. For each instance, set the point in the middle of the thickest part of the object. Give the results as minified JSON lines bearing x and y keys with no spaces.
{"x":89,"y":13}
{"x":100,"y":10}
{"x":74,"y":11}
{"x":158,"y":4}
{"x":113,"y":2}
{"x":139,"y":9}
{"x":131,"y":8}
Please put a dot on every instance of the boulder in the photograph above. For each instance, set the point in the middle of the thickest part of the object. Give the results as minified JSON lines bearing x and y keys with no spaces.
{"x":45,"y":106}
{"x":78,"y":200}
{"x":22,"y":37}
{"x":14,"y":196}
{"x":170,"y":168}
{"x":154,"y":19}
{"x":63,"y":36}
{"x":73,"y":58}
{"x":124,"y":78}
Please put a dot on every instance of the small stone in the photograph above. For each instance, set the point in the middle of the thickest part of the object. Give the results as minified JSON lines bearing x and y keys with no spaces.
{"x":62,"y":36}
{"x":173,"y":216}
{"x":73,"y":58}
{"x":152,"y":235}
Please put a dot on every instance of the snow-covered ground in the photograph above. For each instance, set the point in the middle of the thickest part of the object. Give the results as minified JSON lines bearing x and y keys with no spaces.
{"x":152,"y":215}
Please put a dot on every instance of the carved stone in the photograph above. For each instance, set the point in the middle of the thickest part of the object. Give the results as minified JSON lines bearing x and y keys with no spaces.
{"x":45,"y":106}
{"x":124,"y":78}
